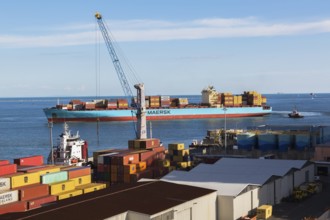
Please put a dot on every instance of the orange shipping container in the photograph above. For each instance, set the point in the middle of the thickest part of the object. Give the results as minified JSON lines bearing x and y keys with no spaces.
{"x":77,"y":172}
{"x":125,"y":158}
{"x":33,"y":191}
{"x":20,"y":206}
{"x":38,"y":202}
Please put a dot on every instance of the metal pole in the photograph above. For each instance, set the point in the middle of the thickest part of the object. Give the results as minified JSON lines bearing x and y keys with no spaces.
{"x":50,"y":125}
{"x":225,"y":109}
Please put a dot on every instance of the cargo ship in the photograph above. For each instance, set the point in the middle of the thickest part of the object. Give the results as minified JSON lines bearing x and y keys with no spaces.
{"x":213,"y":105}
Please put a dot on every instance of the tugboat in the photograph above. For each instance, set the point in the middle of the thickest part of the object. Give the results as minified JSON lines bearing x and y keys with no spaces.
{"x":295,"y":114}
{"x":71,"y":150}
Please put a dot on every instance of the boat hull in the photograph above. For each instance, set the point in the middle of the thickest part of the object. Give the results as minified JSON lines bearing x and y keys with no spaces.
{"x":62,"y":115}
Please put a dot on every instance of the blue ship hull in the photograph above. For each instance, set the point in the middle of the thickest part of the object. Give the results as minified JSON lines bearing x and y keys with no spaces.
{"x":61,"y":115}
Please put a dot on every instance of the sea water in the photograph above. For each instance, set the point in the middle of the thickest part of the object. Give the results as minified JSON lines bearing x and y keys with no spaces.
{"x":24,"y":128}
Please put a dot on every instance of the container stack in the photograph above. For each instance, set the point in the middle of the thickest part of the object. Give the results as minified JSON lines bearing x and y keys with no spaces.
{"x":154,"y":101}
{"x":227,"y":99}
{"x":117,"y":166}
{"x":178,"y":156}
{"x":122,"y":103}
{"x":165,"y":101}
{"x":28,"y":183}
{"x":112,"y":104}
{"x":253,"y":98}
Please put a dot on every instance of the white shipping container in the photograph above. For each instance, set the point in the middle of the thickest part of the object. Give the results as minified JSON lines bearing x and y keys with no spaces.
{"x":4,"y":184}
{"x":8,"y":197}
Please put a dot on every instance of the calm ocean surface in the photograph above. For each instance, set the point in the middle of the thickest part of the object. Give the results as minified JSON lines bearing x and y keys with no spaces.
{"x":24,"y":129}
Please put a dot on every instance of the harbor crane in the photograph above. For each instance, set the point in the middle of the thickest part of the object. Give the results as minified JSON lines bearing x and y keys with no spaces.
{"x":141,"y":132}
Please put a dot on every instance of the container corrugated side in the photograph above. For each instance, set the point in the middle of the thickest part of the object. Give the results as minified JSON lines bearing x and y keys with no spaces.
{"x":69,"y":194}
{"x":9,"y":196}
{"x":8,"y":169}
{"x":33,"y":191}
{"x":61,"y":187}
{"x":4,"y":162}
{"x":91,"y":187}
{"x":24,"y":179}
{"x":36,"y":160}
{"x":38,"y":202}
{"x":19,"y":206}
{"x":50,"y":178}
{"x":82,"y":180}
{"x":77,"y":172}
{"x":4,"y":183}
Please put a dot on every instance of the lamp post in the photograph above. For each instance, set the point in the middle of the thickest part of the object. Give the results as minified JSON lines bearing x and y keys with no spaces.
{"x":225,"y":110}
{"x":50,"y":126}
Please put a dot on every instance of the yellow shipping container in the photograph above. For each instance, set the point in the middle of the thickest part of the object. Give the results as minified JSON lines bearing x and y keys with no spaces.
{"x":166,"y":163}
{"x":184,"y":164}
{"x":141,"y":166}
{"x":69,"y":194}
{"x":92,"y":187}
{"x":24,"y":179}
{"x":49,"y":170}
{"x":129,"y":168}
{"x":82,"y":180}
{"x":264,"y":212}
{"x":61,"y":187}
{"x":176,"y":146}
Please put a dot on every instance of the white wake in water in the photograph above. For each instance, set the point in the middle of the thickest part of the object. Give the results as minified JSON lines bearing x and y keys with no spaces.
{"x":308,"y":114}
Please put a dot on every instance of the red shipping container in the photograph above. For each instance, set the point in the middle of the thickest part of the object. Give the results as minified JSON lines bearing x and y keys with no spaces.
{"x":4,"y":162}
{"x":38,"y":202}
{"x":78,"y":172}
{"x":33,"y":191}
{"x":159,"y":149}
{"x":36,"y":160}
{"x":146,"y":155}
{"x":20,"y":206}
{"x":8,"y":169}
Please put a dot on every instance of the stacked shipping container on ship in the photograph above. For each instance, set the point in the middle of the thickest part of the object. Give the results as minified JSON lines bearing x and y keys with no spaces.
{"x":28,"y":183}
{"x":117,"y":166}
{"x":253,"y":98}
{"x":154,"y":102}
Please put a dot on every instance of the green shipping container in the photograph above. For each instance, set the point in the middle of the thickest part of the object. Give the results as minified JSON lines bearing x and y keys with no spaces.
{"x":50,"y":178}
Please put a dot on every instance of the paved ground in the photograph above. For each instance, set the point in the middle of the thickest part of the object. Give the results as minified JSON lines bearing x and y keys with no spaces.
{"x":313,"y":206}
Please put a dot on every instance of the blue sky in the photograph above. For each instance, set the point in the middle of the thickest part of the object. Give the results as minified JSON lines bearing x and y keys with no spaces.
{"x":54,"y":48}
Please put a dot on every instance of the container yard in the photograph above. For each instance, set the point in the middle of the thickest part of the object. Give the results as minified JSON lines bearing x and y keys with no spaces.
{"x":285,"y":142}
{"x":28,"y":183}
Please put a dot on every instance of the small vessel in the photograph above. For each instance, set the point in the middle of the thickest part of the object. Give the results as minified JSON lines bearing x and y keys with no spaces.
{"x":71,"y":149}
{"x":295,"y":114}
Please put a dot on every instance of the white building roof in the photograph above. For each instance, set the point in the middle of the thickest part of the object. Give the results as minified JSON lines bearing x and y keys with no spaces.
{"x":230,"y":176}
